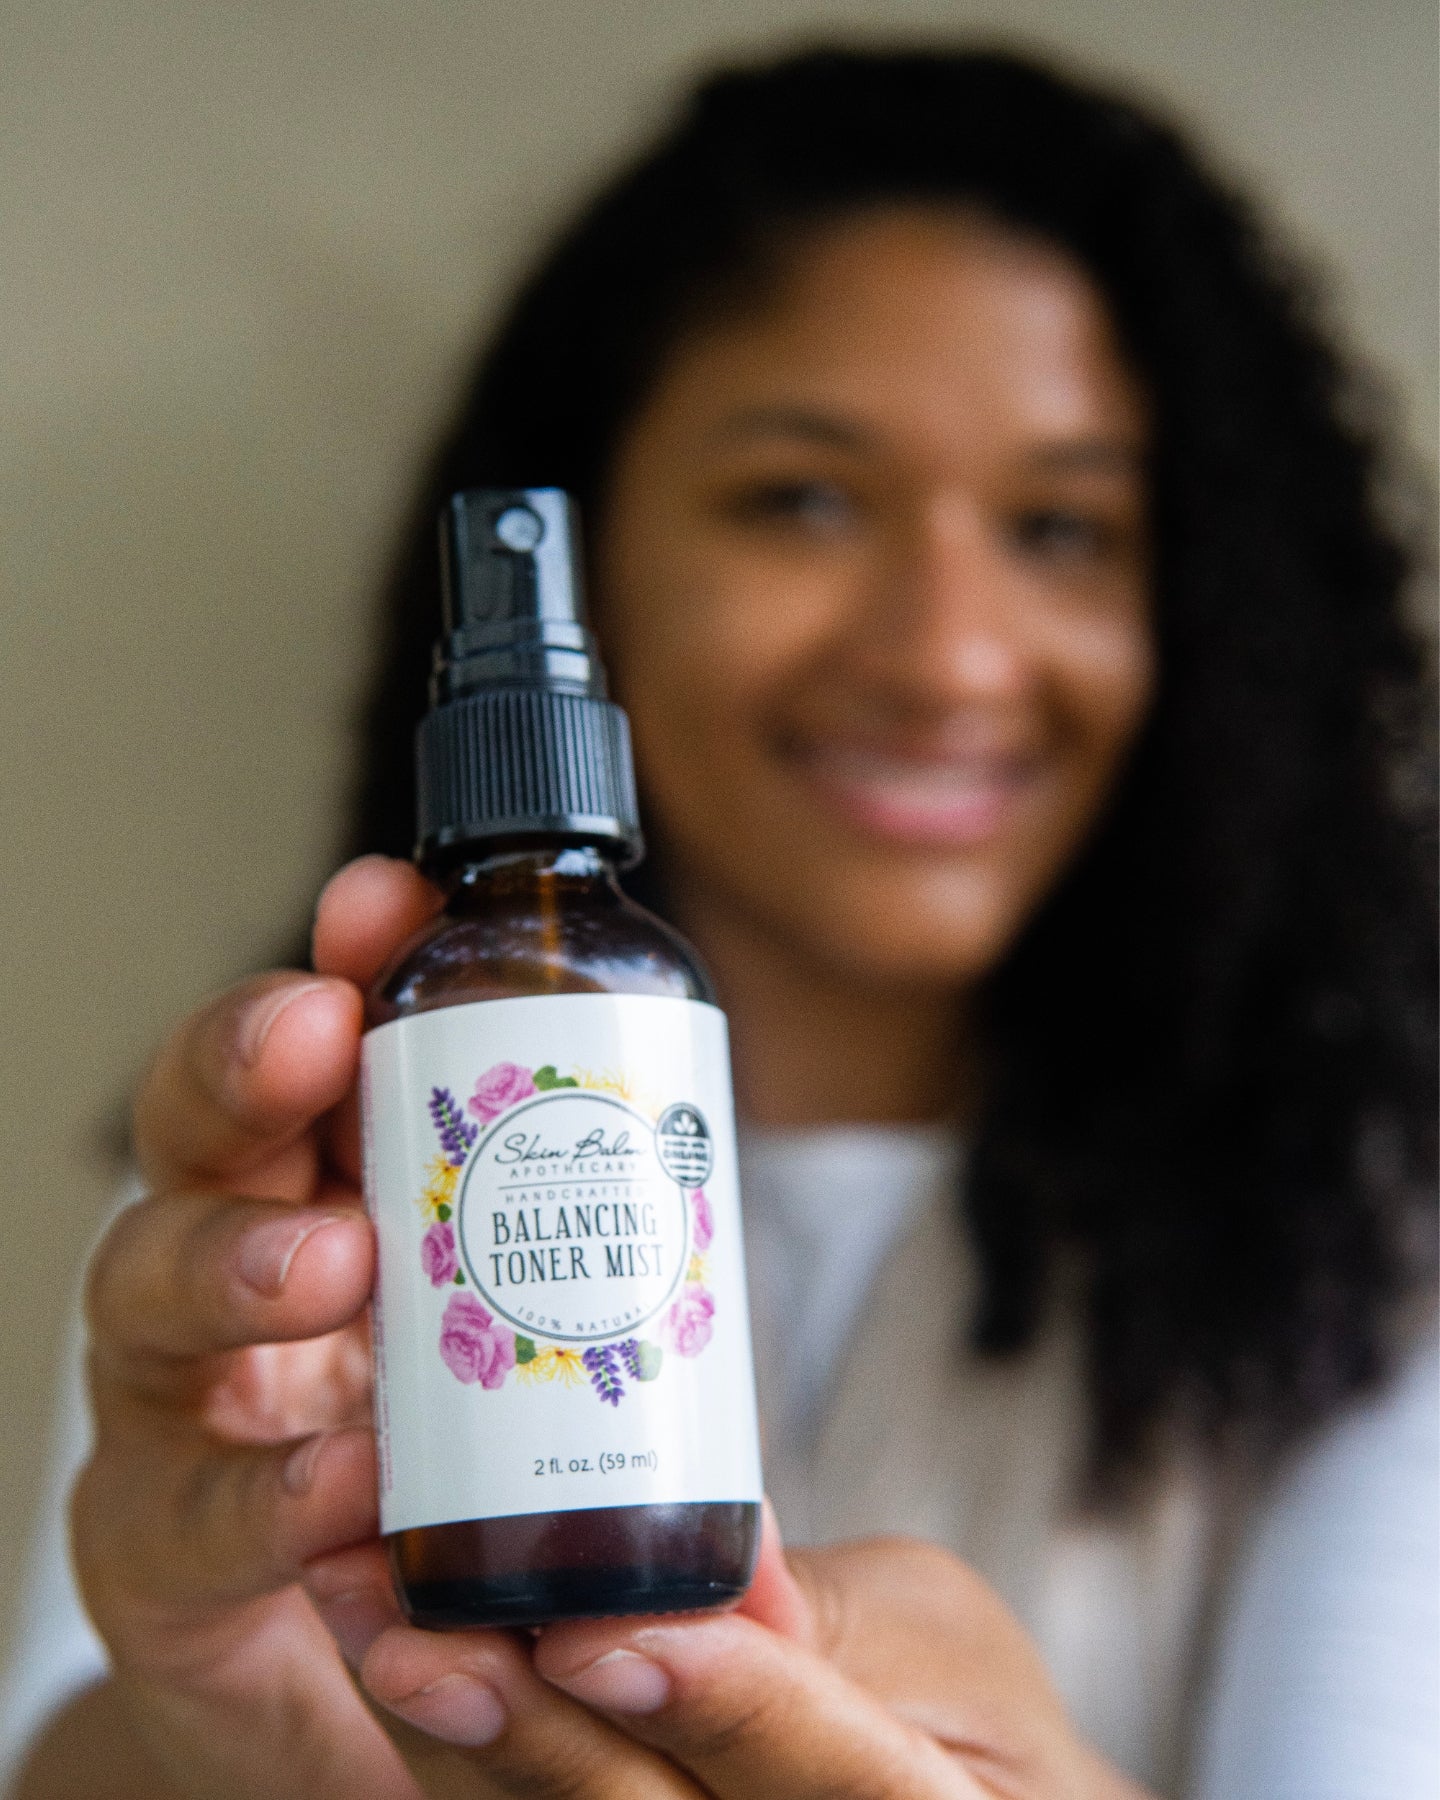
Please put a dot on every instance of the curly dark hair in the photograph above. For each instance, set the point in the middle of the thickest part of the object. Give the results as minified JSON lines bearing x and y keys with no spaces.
{"x":1210,"y":1057}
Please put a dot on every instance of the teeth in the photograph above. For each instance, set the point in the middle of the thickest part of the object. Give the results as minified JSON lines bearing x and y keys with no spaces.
{"x":919,"y":781}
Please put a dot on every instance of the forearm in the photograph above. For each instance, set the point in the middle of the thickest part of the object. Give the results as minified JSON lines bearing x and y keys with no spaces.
{"x":91,"y":1747}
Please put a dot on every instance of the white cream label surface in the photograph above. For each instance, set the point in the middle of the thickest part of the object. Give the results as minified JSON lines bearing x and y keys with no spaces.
{"x":560,"y":1317}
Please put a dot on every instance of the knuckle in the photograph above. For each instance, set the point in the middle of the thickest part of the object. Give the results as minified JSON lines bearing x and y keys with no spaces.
{"x":896,"y":1779}
{"x":832,"y":1605}
{"x":918,"y":1557}
{"x":923,"y":1568}
{"x":150,"y":1275}
{"x":867,"y":1787}
{"x":148,"y":1097}
{"x":226,"y":1534}
{"x":220,"y":1501}
{"x":728,"y":1731}
{"x":189,"y":1077}
{"x":109,"y":1274}
{"x":564,"y":1775}
{"x":110,"y":1552}
{"x":902,"y":1764}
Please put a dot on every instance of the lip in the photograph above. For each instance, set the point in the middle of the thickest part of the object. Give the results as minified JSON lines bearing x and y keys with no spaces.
{"x":959,"y":802}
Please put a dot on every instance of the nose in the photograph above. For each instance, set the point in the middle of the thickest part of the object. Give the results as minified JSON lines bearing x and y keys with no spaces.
{"x":944,"y":619}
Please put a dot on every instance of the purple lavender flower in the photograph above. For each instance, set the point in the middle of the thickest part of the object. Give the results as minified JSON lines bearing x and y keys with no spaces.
{"x":604,"y":1376}
{"x":457,"y":1134}
{"x":641,"y":1358}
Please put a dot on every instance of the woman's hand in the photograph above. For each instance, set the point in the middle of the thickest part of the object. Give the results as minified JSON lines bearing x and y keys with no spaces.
{"x":874,"y":1670}
{"x":227,"y":1515}
{"x":230,"y":1375}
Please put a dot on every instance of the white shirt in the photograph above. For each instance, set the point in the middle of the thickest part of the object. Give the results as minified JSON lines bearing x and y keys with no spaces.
{"x":1215,"y":1643}
{"x":1305,"y":1668}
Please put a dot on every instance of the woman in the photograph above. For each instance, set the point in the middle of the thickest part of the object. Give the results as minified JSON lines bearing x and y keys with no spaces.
{"x":1020,"y":690}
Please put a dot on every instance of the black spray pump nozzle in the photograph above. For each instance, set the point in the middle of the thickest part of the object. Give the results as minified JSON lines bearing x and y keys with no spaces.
{"x":520,"y":740}
{"x":513,"y":594}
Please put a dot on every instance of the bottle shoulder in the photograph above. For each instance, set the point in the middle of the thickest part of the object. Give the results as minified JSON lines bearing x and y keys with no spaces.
{"x":513,"y":948}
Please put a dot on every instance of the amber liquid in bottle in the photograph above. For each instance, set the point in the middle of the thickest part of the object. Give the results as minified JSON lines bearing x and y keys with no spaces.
{"x":520,"y":922}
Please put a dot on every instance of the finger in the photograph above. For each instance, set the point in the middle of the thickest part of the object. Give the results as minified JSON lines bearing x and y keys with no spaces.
{"x":869,"y":1604}
{"x":366,"y":912}
{"x":235,"y":1089}
{"x":750,"y":1715}
{"x":477,"y":1692}
{"x":185,"y":1276}
{"x":354,"y":1597}
{"x":341,"y":1137}
{"x":774,"y":1597}
{"x":171,"y":1528}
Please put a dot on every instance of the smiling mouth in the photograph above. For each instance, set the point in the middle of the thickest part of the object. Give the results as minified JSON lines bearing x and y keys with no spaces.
{"x":955,"y":802}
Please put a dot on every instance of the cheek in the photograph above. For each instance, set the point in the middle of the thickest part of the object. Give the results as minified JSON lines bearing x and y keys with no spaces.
{"x":700,"y":650}
{"x":1102,"y":679}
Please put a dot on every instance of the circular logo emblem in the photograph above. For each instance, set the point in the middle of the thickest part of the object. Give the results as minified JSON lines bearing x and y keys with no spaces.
{"x":570,"y":1220}
{"x":682,"y":1142}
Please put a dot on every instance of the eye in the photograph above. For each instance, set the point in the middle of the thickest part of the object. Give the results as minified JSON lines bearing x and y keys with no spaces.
{"x":1061,"y":535}
{"x":820,"y":508}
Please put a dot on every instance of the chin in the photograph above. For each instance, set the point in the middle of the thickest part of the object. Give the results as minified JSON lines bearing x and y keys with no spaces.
{"x":907,"y":932}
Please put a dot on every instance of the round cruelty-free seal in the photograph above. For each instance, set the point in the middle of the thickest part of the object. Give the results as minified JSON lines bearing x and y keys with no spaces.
{"x":684,"y":1145}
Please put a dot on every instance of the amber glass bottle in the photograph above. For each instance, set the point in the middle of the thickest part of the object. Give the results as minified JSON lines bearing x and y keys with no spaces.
{"x":564,"y":1396}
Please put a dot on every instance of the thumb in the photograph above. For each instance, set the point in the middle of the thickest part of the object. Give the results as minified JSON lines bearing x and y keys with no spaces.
{"x":775,"y":1598}
{"x":366,"y":912}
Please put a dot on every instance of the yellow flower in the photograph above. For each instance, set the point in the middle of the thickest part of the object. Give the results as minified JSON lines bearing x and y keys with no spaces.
{"x":696,"y":1269}
{"x":441,"y":1180}
{"x":608,"y":1081}
{"x":553,"y":1362}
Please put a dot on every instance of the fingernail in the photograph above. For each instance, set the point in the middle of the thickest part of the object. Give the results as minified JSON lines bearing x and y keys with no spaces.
{"x":355,"y":1619}
{"x":622,"y":1682}
{"x":267,"y":1251}
{"x":457,"y":1708}
{"x":256,"y":1021}
{"x":299,"y":1469}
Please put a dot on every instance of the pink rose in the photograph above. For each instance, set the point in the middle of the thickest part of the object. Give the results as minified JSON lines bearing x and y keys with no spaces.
{"x":437,"y":1255}
{"x":498,"y":1088}
{"x":704,"y":1221}
{"x":688,"y":1320}
{"x":473,"y":1345}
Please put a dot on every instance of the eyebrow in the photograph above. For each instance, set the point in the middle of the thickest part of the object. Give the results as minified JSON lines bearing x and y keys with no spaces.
{"x":1106,"y":456}
{"x":796,"y":422}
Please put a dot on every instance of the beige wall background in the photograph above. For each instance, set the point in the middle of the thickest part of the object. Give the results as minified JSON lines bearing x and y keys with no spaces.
{"x":244,"y":251}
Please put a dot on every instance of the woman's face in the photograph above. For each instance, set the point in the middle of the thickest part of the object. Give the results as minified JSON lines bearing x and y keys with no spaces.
{"x":874,"y":587}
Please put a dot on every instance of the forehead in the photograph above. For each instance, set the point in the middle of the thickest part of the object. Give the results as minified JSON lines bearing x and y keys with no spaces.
{"x":934,"y":322}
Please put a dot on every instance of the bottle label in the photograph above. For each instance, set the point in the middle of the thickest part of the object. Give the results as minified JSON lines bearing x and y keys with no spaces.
{"x":560,"y":1317}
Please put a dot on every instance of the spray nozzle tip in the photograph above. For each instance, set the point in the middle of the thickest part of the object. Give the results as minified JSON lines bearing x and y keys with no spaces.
{"x":509,"y":554}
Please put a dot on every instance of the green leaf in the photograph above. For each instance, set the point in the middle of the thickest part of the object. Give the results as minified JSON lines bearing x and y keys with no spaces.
{"x":459,"y":1278}
{"x":524,"y":1350}
{"x":442,"y":1212}
{"x":547,"y":1078}
{"x":648,"y":1358}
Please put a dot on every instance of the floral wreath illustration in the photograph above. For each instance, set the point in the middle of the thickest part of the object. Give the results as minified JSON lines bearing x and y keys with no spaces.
{"x":476,"y":1346}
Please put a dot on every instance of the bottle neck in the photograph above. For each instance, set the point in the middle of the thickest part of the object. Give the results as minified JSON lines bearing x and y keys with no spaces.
{"x":484,"y":870}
